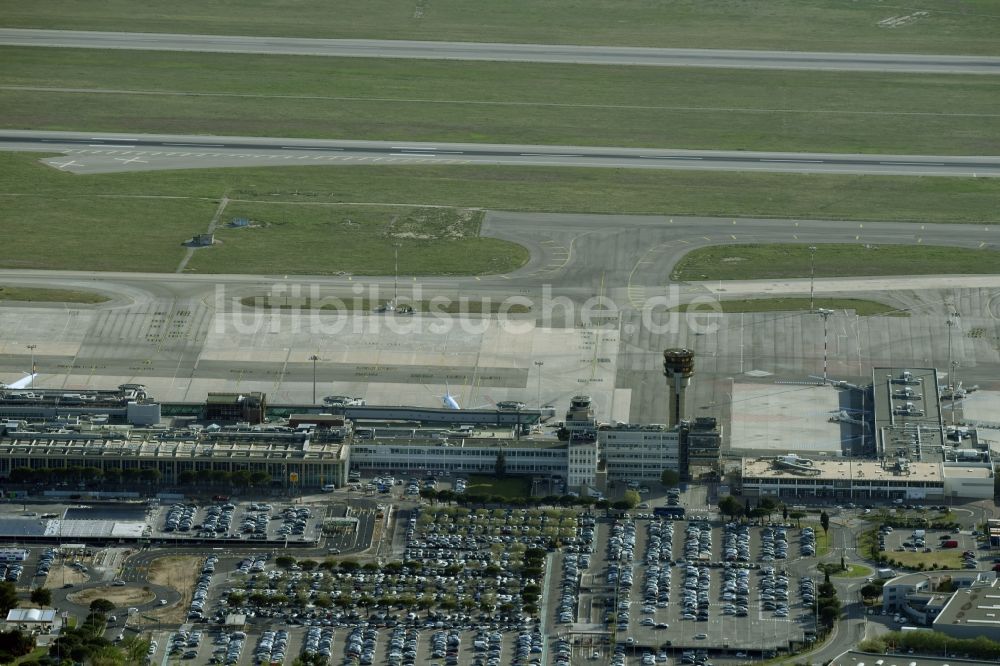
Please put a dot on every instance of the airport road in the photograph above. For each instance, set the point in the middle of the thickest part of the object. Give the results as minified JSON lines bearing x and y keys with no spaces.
{"x":541,"y":53}
{"x":107,"y":152}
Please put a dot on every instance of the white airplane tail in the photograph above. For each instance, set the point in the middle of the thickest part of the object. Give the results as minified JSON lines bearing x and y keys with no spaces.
{"x":24,"y":382}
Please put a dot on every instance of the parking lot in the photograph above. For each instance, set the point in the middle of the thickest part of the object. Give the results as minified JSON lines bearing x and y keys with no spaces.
{"x":242,"y":521}
{"x":667,"y":584}
{"x":467,"y":592}
{"x":915,"y":546}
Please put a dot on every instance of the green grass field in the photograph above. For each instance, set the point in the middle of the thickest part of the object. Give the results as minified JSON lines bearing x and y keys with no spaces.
{"x":861,"y":307}
{"x":415,"y":100}
{"x":509,"y":486}
{"x":323,"y":239}
{"x":292,"y":303}
{"x":945,"y":559}
{"x":854,"y":571}
{"x":807,"y":25}
{"x":753,"y":262}
{"x":137,"y":221}
{"x":822,"y":538}
{"x":42,"y":295}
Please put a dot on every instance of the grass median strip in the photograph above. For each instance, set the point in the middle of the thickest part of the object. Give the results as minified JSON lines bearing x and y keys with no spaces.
{"x":495,"y":102}
{"x":336,"y":304}
{"x":936,"y":26}
{"x":862,"y":307}
{"x":787,"y":260}
{"x":42,"y":295}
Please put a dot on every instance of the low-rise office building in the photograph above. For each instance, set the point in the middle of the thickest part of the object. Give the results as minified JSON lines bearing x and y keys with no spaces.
{"x":924,"y":597}
{"x":973,"y":610}
{"x":793,"y":477}
{"x":640,"y":452}
{"x":467,"y":455}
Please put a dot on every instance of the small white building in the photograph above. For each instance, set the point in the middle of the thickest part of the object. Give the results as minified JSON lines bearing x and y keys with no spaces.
{"x":31,"y":617}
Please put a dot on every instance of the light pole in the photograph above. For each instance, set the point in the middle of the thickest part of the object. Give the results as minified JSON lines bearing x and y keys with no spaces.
{"x":395,"y":278}
{"x":952,"y":364}
{"x":538,"y":397}
{"x":314,"y":358}
{"x":812,"y":277}
{"x":825,"y":314}
{"x":31,"y":376}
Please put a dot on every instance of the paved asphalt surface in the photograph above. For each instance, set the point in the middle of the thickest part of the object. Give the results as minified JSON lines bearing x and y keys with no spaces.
{"x":638,"y":251}
{"x":591,"y":55}
{"x":116,"y":151}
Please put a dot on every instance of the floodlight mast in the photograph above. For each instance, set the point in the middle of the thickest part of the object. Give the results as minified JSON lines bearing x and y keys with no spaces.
{"x":825,"y":314}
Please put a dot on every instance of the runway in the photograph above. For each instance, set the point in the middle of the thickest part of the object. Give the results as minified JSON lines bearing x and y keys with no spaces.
{"x":120,"y":152}
{"x":535,"y":53}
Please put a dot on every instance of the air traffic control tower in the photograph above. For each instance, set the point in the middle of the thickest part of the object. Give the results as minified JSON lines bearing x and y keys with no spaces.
{"x":678,"y":368}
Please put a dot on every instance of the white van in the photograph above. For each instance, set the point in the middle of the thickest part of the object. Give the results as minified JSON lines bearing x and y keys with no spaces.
{"x":329,"y":488}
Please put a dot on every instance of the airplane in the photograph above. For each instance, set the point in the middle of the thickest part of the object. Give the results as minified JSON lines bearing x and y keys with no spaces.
{"x":24,"y":382}
{"x":448,"y":401}
{"x":838,"y":383}
{"x":847,"y":416}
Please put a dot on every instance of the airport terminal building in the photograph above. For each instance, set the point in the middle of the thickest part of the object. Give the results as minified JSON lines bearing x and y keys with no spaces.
{"x":916,"y":457}
{"x":308,"y":459}
{"x":310,"y":450}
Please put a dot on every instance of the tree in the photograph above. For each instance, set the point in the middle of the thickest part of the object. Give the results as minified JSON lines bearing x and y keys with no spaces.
{"x":284,"y":561}
{"x":797,"y":516}
{"x":829,"y":614}
{"x":784,"y":512}
{"x":632,"y":498}
{"x":747,"y":509}
{"x":670,"y":478}
{"x":824,"y":520}
{"x":187,"y":477}
{"x":766,"y":507}
{"x":41,"y":596}
{"x":870,"y":591}
{"x":241,"y":478}
{"x":21,"y":475}
{"x":112,"y":476}
{"x":308,"y":565}
{"x":260,"y":478}
{"x":501,"y":464}
{"x":101,"y":605}
{"x":150,"y":474}
{"x":14,"y":644}
{"x":8,"y":597}
{"x":730,"y":506}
